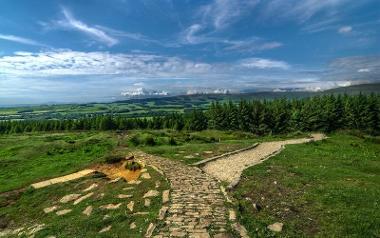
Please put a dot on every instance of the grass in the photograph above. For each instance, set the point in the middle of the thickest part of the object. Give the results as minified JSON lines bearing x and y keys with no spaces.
{"x":75,"y":224}
{"x":191,"y":147}
{"x":321,"y":189}
{"x":27,"y":158}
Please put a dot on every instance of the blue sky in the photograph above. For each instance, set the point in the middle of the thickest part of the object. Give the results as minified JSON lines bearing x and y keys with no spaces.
{"x":82,"y":50}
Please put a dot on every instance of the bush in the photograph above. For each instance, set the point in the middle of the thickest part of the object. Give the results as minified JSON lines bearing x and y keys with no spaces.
{"x":113,"y":159}
{"x":149,"y":141}
{"x":135,"y":140}
{"x":172,"y":141}
{"x":133,"y":166}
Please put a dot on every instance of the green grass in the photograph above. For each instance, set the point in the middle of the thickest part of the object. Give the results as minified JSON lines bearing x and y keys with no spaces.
{"x":75,"y":224}
{"x":27,"y":158}
{"x":191,"y":147}
{"x":321,"y":189}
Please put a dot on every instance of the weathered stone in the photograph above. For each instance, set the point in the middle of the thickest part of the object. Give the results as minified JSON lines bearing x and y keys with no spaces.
{"x":111,"y":206}
{"x":128,"y":188}
{"x":124,"y":196}
{"x":145,"y":176}
{"x":162,"y":212}
{"x":131,"y":205}
{"x":87,"y":211}
{"x":91,"y":187}
{"x":115,"y":180}
{"x":63,"y":212}
{"x":105,"y":229}
{"x":150,"y":230}
{"x":141,"y":213}
{"x":134,"y":182}
{"x":276,"y":227}
{"x":232,"y":215}
{"x":151,"y":193}
{"x":70,"y":197}
{"x":50,"y":209}
{"x":83,"y":198}
{"x":147,"y":202}
{"x":132,"y":226}
{"x":165,"y":196}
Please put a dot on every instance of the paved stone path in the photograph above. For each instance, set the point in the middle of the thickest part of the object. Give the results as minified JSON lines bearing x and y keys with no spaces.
{"x":229,"y":168}
{"x":63,"y":179}
{"x":197,"y":205}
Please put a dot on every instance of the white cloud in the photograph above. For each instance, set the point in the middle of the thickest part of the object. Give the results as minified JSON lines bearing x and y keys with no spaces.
{"x":251,"y":45}
{"x":345,"y":29}
{"x":222,"y":13}
{"x":264,"y":64}
{"x":364,"y":70}
{"x":70,"y":22}
{"x":20,"y":40}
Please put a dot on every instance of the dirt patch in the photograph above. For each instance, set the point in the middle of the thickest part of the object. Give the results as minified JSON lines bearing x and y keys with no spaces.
{"x":117,"y":170}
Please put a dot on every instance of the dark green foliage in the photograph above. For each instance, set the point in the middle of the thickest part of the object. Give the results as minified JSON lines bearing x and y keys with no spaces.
{"x":113,"y":159}
{"x":133,"y":166}
{"x":320,"y":113}
{"x":149,"y":141}
{"x":172,"y":141}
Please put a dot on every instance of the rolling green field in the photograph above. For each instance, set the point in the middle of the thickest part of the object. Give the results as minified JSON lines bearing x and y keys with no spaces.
{"x":329,"y":188}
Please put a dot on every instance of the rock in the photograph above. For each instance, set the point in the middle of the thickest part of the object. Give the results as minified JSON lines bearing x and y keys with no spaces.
{"x":208,"y":152}
{"x":150,"y":230}
{"x":189,"y":157}
{"x":131,"y":205}
{"x":241,"y":230}
{"x":222,"y":235}
{"x":83,"y":198}
{"x":50,"y":209}
{"x":147,"y":202}
{"x":105,"y":229}
{"x":111,"y":206}
{"x":35,"y":228}
{"x":257,"y":206}
{"x":201,"y":235}
{"x":151,"y":193}
{"x":141,"y":213}
{"x":158,"y":183}
{"x":92,"y":186}
{"x":145,"y":176}
{"x":114,"y":180}
{"x":143,"y":170}
{"x":134,"y":182}
{"x":101,"y":195}
{"x":162,"y":212}
{"x":132,"y":226}
{"x":63,"y":212}
{"x":128,"y":188}
{"x":70,"y":197}
{"x":165,"y":196}
{"x":106,"y":217}
{"x":124,"y":196}
{"x":276,"y":227}
{"x":87,"y":211}
{"x":232,"y":215}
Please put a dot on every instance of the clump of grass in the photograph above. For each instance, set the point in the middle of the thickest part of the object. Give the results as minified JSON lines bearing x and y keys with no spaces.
{"x":149,"y":141}
{"x":135,"y":140}
{"x":172,"y":141}
{"x":133,"y":166}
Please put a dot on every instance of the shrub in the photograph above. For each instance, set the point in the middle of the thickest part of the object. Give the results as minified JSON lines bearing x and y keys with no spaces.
{"x":172,"y":141}
{"x":133,"y":165}
{"x":135,"y":140}
{"x":149,"y":140}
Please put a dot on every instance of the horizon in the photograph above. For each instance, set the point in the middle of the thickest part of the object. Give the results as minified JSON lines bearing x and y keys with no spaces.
{"x":81,"y":51}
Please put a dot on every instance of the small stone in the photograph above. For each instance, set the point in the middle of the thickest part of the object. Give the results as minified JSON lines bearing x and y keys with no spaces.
{"x":101,"y":195}
{"x":70,"y":197}
{"x":35,"y":228}
{"x":87,"y":211}
{"x":189,"y":157}
{"x":128,"y":188}
{"x":50,"y":209}
{"x":257,"y":206}
{"x":158,"y":183}
{"x":124,"y":196}
{"x":105,"y":229}
{"x":276,"y":227}
{"x":141,"y":213}
{"x":147,"y":202}
{"x":201,"y":235}
{"x":146,"y":176}
{"x":275,"y":182}
{"x":63,"y":212}
{"x":114,"y":180}
{"x":162,"y":212}
{"x":132,"y":226}
{"x":208,"y":152}
{"x":232,"y":215}
{"x":165,"y":196}
{"x":83,"y":198}
{"x":134,"y":182}
{"x":110,"y":206}
{"x":106,"y":217}
{"x":92,"y":186}
{"x":131,"y":205}
{"x":151,"y":193}
{"x":150,"y":230}
{"x":143,"y":170}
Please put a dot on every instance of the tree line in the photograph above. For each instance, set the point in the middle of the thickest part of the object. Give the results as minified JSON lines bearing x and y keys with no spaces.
{"x":319,"y":113}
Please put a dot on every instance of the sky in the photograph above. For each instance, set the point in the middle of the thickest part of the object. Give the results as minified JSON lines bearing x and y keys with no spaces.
{"x":55,"y":51}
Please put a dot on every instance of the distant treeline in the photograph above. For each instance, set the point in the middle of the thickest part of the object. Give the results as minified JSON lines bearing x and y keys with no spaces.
{"x":319,"y":113}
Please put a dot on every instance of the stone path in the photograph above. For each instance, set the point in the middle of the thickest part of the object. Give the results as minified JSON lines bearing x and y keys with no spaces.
{"x":197,"y":205}
{"x":63,"y":179}
{"x":230,"y":168}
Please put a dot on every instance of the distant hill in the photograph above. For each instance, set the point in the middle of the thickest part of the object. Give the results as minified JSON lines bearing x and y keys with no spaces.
{"x":356,"y":89}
